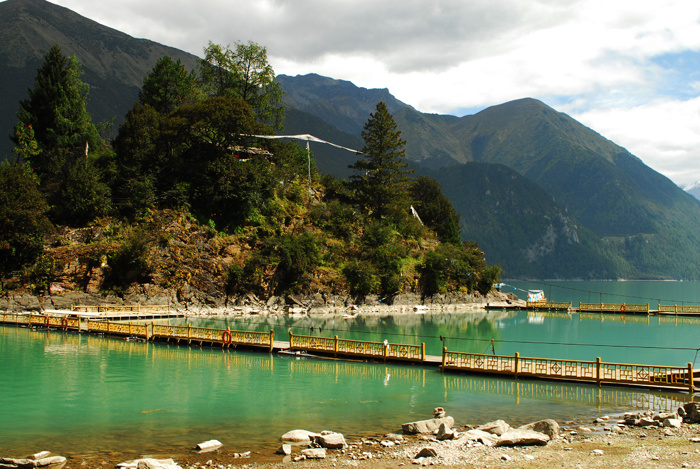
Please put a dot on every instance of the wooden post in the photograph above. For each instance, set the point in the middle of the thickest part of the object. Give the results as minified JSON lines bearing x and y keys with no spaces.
{"x":272,"y":339}
{"x":422,"y":351}
{"x":291,"y":340}
{"x":386,"y":350}
{"x":335,"y":345}
{"x":517,"y":363}
{"x":444,"y":358}
{"x":597,"y":370}
{"x":691,"y":380}
{"x":130,"y":328}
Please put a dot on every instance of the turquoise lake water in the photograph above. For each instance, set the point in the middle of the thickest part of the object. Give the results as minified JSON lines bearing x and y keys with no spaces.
{"x":77,"y":394}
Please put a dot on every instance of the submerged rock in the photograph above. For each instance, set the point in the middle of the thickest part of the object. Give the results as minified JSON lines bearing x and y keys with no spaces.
{"x":150,"y":463}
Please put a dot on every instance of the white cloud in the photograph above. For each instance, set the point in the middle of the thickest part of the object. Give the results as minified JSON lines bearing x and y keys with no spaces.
{"x":591,"y":58}
{"x":665,"y":132}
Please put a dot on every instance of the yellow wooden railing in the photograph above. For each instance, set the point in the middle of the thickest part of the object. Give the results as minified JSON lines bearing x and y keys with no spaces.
{"x":118,"y":328}
{"x":679,"y":309}
{"x":544,"y":304}
{"x":225,"y":337}
{"x":362,"y":348}
{"x":614,"y":307}
{"x":574,"y":370}
{"x":103,"y":309}
{"x":58,"y":322}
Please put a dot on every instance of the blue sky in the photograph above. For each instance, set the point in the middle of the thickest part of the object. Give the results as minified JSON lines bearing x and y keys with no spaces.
{"x":630,"y":70}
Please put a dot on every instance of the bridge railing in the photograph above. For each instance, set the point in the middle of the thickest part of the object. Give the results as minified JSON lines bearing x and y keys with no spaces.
{"x":679,"y":309}
{"x":614,"y":307}
{"x":361,"y":348}
{"x":544,"y":304}
{"x":102,"y":309}
{"x":58,"y":322}
{"x":573,"y":370}
{"x":118,"y":328}
{"x":225,"y":337}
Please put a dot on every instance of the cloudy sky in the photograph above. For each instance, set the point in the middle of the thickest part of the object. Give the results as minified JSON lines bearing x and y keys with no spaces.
{"x":630,"y":70}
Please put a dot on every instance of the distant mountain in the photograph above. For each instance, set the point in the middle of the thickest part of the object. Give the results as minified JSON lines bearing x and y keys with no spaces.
{"x":114,"y":63}
{"x":640,"y":215}
{"x":693,"y":189}
{"x":521,"y":227}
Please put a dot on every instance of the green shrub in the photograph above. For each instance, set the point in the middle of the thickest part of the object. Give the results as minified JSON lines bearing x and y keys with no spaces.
{"x":361,"y":277}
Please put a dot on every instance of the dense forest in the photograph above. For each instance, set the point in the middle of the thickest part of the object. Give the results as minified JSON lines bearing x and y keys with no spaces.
{"x":188,"y":186}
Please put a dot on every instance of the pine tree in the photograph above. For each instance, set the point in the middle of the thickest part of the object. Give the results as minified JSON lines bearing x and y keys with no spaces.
{"x":56,"y":111}
{"x":168,"y":86}
{"x":63,"y":136}
{"x":381,"y":181}
{"x":23,"y":221}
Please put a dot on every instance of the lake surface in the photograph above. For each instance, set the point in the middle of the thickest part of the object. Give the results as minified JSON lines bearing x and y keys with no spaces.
{"x":77,"y":394}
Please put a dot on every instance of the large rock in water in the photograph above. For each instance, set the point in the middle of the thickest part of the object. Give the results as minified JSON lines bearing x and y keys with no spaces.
{"x":517,"y":437}
{"x":427,"y":426}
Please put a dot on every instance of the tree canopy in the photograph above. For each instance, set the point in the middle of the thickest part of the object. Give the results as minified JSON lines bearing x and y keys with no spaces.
{"x":244,"y":72}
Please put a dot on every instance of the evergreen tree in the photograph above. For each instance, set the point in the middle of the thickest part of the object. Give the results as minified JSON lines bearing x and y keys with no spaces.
{"x":381,"y":181}
{"x":435,"y":210}
{"x":23,"y":220}
{"x":66,"y":140}
{"x":168,"y":86}
{"x":56,"y":111}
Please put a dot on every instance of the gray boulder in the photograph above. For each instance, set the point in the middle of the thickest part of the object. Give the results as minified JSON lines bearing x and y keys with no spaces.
{"x":331,"y":440}
{"x":426,"y":426}
{"x":549,"y":427}
{"x":149,"y":463}
{"x":427,"y":452}
{"x":445,"y":433}
{"x":314,"y":453}
{"x":690,"y":412}
{"x":498,"y":427}
{"x":299,"y":437}
{"x":285,"y":449}
{"x":488,"y":439}
{"x":517,"y":437}
{"x":55,"y":462}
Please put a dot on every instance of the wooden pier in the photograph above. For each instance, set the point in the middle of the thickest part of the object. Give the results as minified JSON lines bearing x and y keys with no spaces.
{"x":598,"y":372}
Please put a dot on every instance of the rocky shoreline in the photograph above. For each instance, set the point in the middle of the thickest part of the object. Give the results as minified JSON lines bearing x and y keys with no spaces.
{"x":250,"y":304}
{"x":639,"y":439}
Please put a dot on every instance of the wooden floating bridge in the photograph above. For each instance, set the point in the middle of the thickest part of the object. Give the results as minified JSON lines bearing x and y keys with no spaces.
{"x":616,"y":308}
{"x":598,"y":372}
